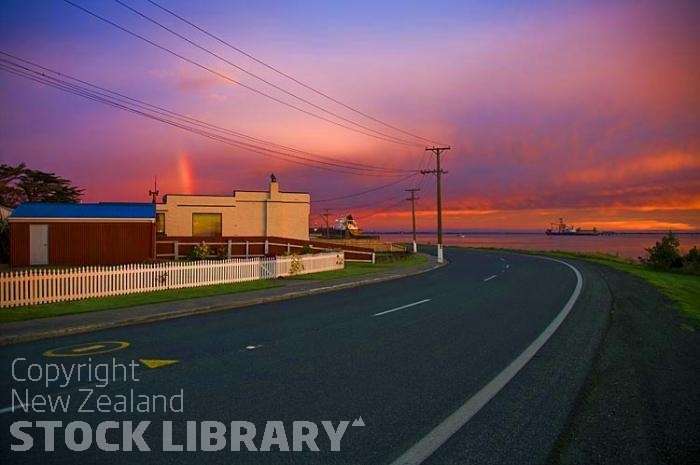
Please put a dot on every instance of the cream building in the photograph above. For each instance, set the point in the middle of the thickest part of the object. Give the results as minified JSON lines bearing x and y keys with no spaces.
{"x":245,"y":213}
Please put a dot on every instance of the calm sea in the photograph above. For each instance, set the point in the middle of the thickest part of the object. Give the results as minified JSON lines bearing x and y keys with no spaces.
{"x":624,"y":245}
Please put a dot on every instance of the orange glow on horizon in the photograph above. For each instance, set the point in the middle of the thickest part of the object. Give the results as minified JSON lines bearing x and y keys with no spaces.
{"x":604,"y":219}
{"x":636,"y":225}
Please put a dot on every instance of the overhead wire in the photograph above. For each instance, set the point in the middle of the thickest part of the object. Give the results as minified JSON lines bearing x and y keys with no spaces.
{"x":357,"y":194}
{"x":239,"y":144}
{"x":42,"y":77}
{"x":178,"y":120}
{"x":230,"y":79}
{"x":385,"y":209}
{"x":203,"y":123}
{"x":286,"y":75}
{"x":253,"y":75}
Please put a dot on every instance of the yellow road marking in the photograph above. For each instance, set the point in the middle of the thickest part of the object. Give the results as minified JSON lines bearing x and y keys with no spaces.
{"x":81,"y":350}
{"x":157,"y":363}
{"x":88,"y":348}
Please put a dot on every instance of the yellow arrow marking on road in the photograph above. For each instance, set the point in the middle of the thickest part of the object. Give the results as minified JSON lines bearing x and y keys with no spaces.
{"x":157,"y":363}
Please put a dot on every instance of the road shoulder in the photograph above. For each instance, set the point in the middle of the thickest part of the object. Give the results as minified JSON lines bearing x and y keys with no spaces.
{"x":640,"y":403}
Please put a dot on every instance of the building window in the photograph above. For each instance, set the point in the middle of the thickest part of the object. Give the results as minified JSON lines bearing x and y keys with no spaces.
{"x":206,"y":224}
{"x":160,"y":224}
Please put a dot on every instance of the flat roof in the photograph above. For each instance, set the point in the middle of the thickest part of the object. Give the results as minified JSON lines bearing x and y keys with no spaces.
{"x":85,"y":210}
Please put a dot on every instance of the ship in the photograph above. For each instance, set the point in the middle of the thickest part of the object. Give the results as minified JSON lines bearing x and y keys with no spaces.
{"x":563,"y":229}
{"x":346,"y":227}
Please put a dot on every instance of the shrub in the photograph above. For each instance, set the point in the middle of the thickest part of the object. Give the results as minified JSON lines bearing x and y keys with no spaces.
{"x":297,"y":266}
{"x":691,"y":260}
{"x":199,"y":252}
{"x":665,"y":255}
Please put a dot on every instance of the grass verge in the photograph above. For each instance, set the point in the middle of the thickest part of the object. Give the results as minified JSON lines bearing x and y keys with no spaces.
{"x":109,"y":303}
{"x":360,"y":268}
{"x":681,"y":288}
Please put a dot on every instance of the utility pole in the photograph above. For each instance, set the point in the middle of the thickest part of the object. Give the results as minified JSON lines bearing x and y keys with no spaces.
{"x":154,"y":193}
{"x":413,"y":199}
{"x":328,"y":229}
{"x":438,"y":173}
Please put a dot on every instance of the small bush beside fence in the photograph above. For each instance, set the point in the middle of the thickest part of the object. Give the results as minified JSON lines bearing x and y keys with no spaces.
{"x":39,"y":286}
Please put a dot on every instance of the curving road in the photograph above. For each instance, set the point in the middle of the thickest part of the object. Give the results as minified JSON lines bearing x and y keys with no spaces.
{"x":420,"y":360}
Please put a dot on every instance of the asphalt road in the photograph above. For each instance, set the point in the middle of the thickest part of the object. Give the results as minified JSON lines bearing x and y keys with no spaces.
{"x":402,"y":355}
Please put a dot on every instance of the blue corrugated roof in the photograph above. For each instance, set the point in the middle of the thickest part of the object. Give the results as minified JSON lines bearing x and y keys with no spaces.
{"x":85,"y":210}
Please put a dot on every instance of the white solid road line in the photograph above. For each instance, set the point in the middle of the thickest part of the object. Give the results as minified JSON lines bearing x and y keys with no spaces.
{"x":424,"y":448}
{"x":491,"y":277}
{"x":402,"y":307}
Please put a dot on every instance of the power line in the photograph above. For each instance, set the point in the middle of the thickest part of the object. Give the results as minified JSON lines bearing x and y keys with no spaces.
{"x":357,"y":194}
{"x":249,"y":73}
{"x":230,"y":79}
{"x":162,"y":110}
{"x":96,"y":98}
{"x":374,"y":213}
{"x":178,"y":120}
{"x":385,"y":209}
{"x":278,"y":71}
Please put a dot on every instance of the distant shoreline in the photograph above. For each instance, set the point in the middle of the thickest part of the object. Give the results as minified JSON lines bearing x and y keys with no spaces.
{"x":525,"y":233}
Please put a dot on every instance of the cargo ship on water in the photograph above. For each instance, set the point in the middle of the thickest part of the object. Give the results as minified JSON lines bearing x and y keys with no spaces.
{"x":563,"y":229}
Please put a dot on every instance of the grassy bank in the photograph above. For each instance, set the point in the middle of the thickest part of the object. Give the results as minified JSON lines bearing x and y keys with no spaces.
{"x":361,"y":268}
{"x":108,"y":303}
{"x":681,"y":288}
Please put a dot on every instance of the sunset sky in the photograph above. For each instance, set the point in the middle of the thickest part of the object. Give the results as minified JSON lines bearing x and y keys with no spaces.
{"x":587,"y":110}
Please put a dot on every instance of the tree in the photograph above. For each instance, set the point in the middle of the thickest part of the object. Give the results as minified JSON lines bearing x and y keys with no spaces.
{"x":10,"y":194}
{"x":19,"y":184}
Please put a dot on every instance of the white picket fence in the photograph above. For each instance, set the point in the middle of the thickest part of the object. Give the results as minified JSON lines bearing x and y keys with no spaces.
{"x":39,"y":286}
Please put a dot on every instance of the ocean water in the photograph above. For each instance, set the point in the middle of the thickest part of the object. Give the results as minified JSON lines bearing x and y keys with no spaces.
{"x":627,"y":245}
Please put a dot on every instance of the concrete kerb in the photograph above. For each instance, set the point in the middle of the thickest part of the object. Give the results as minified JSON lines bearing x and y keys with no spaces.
{"x":141,"y":319}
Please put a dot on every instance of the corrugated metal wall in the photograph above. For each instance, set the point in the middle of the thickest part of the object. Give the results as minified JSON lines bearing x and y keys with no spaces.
{"x":89,"y":243}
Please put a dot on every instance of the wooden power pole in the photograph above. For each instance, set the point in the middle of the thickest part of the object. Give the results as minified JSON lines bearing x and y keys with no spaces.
{"x":328,"y":228}
{"x":438,"y":173}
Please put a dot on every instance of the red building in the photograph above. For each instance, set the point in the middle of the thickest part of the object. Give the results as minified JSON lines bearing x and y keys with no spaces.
{"x":82,"y":234}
